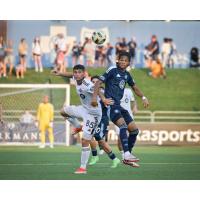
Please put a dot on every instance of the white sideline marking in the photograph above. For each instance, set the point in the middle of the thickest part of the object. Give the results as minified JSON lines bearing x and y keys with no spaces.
{"x":59,"y":164}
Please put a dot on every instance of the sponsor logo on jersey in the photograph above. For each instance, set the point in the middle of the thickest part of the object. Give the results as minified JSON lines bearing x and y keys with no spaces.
{"x":116,"y":111}
{"x":118,"y":76}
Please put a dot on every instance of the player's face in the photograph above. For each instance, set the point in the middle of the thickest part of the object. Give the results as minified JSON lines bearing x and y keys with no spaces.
{"x":124,"y":62}
{"x":78,"y":74}
{"x":95,"y":80}
{"x":46,"y":99}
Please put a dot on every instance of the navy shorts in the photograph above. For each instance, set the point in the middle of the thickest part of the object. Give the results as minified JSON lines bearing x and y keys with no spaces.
{"x":116,"y":112}
{"x":102,"y":129}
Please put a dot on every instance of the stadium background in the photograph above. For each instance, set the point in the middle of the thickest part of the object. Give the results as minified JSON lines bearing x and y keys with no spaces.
{"x":185,"y":97}
{"x":184,"y":33}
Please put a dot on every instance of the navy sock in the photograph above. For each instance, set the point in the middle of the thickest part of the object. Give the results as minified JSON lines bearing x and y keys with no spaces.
{"x":123,"y":137}
{"x":94,"y":152}
{"x":132,"y":139}
{"x":111,"y":155}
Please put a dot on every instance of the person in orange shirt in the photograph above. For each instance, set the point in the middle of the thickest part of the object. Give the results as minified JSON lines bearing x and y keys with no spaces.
{"x":157,"y":69}
{"x":45,"y":115}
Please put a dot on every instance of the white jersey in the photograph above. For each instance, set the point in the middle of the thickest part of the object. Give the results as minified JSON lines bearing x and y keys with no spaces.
{"x":126,"y":99}
{"x":27,"y":118}
{"x":36,"y":48}
{"x":85,"y":91}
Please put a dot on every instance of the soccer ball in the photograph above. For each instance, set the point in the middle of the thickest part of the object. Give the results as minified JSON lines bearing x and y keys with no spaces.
{"x":98,"y":37}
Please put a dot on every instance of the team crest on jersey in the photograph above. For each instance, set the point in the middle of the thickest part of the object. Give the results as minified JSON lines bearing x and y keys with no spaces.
{"x":122,"y":84}
{"x":116,"y":111}
{"x":118,"y":76}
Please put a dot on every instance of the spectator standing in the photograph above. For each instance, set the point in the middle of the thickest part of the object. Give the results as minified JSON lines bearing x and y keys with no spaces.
{"x":9,"y":58}
{"x":89,"y":50}
{"x":109,"y":55}
{"x":23,"y":50}
{"x":2,"y":57}
{"x":132,"y":49}
{"x":165,"y":52}
{"x":37,"y":53}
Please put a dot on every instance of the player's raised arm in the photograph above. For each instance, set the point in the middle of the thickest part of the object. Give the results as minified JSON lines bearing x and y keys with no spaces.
{"x":139,"y":93}
{"x":66,"y":74}
{"x":95,"y":93}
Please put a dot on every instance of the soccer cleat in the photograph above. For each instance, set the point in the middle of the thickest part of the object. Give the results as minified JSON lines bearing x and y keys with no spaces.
{"x":51,"y":146}
{"x":94,"y":160}
{"x":115,"y":163}
{"x":101,"y":152}
{"x":132,"y":164}
{"x":76,"y":130}
{"x":81,"y":171}
{"x":131,"y":158}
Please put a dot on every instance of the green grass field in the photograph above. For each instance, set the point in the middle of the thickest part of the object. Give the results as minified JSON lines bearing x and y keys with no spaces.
{"x":157,"y":163}
{"x":180,"y":91}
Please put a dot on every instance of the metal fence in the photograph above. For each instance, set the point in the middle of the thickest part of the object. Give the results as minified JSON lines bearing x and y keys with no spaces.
{"x":141,"y":116}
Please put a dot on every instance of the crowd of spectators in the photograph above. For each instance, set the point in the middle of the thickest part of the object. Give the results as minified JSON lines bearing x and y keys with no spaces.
{"x":89,"y":54}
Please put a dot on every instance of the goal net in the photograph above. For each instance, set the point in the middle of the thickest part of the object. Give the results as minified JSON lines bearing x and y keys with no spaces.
{"x":18,"y":99}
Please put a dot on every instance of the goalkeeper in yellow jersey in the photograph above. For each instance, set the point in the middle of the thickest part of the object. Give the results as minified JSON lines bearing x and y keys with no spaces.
{"x":45,"y":114}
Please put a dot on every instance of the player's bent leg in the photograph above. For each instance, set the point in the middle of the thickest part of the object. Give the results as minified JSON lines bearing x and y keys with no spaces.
{"x":129,"y":159}
{"x":70,"y":113}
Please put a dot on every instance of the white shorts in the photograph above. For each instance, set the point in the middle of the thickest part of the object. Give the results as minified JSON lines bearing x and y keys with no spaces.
{"x":90,"y":121}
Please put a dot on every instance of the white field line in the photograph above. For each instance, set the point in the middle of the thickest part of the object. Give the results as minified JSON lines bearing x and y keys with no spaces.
{"x":60,"y":164}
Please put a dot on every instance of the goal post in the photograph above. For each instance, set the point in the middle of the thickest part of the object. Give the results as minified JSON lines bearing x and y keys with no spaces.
{"x":16,"y":99}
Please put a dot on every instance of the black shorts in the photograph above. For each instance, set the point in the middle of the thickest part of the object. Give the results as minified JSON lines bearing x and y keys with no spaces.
{"x":116,"y":112}
{"x":22,"y":56}
{"x":36,"y":54}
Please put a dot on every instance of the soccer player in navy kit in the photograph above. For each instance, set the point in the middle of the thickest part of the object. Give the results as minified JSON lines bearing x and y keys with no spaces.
{"x":115,"y":79}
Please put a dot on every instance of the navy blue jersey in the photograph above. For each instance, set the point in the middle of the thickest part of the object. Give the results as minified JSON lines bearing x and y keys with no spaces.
{"x":115,"y":81}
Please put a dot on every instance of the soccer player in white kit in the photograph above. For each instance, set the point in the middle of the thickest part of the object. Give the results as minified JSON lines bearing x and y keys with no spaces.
{"x":91,"y":115}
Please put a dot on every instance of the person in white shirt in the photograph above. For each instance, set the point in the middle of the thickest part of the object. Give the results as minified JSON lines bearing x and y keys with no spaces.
{"x":91,"y":115}
{"x":37,"y":52}
{"x":61,"y":51}
{"x":27,"y":120}
{"x":165,"y":52}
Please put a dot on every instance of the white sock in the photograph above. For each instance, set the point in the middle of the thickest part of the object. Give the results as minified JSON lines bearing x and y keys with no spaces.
{"x":122,"y":153}
{"x":85,"y":153}
{"x":126,"y":154}
{"x":74,"y":122}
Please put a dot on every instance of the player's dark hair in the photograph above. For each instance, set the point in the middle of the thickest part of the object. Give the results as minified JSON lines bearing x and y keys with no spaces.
{"x":93,"y":77}
{"x":124,"y":53}
{"x":81,"y":67}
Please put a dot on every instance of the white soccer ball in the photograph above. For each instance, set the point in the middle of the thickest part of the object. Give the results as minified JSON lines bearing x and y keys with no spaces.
{"x":98,"y":37}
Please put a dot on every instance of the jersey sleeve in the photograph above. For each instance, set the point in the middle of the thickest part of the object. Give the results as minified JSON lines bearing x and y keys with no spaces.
{"x":130,"y":80}
{"x":107,"y":74}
